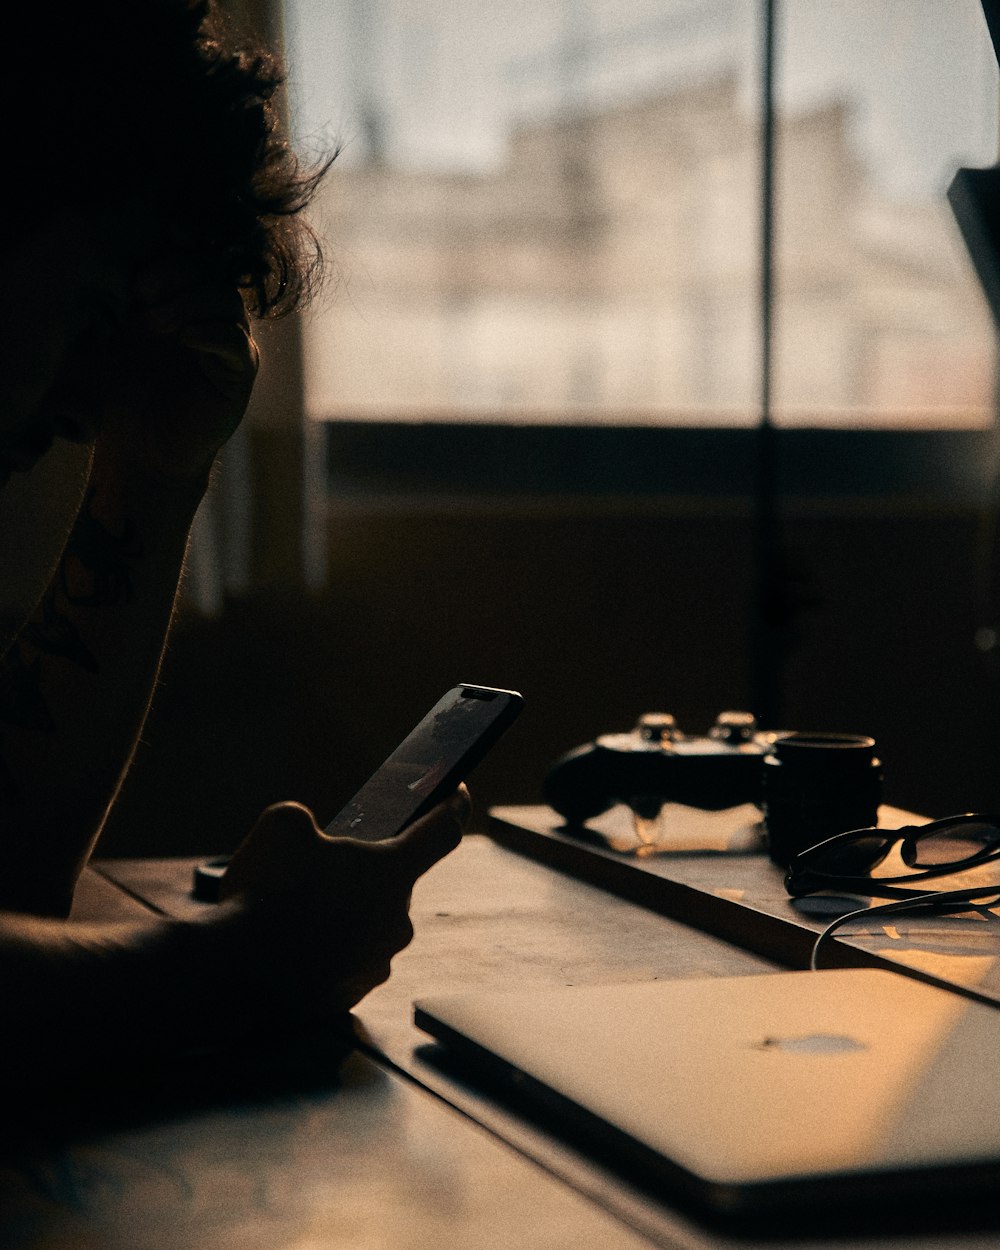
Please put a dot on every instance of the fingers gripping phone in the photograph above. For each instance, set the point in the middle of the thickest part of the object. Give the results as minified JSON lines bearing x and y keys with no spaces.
{"x":427,"y":766}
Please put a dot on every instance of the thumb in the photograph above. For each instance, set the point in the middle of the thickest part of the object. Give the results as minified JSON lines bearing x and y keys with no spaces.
{"x":422,"y":844}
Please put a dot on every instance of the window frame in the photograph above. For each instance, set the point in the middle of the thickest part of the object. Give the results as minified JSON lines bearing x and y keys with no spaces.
{"x":391,"y":465}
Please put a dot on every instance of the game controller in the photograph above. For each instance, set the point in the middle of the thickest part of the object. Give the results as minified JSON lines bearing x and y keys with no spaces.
{"x":655,"y":764}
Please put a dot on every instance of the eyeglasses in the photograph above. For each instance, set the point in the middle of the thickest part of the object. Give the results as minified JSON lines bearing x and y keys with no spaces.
{"x":845,"y":862}
{"x":937,"y":849}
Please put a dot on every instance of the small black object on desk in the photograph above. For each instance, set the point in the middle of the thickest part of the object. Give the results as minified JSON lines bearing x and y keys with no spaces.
{"x":207,"y":878}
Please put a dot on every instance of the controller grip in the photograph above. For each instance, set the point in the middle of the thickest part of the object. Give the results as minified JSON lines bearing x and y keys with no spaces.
{"x":577,"y":785}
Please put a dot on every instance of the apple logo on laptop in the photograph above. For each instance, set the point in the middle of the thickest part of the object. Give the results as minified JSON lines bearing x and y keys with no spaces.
{"x":813,"y":1044}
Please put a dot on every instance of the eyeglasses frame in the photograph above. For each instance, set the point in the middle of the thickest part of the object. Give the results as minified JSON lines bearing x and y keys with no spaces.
{"x":940,"y":901}
{"x":802,"y":880}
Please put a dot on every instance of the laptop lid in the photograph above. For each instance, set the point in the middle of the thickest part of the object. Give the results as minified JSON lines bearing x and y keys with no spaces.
{"x":756,"y":1094}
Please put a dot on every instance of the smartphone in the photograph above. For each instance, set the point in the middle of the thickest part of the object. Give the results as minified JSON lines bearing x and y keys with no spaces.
{"x":429,"y":763}
{"x":425,"y":768}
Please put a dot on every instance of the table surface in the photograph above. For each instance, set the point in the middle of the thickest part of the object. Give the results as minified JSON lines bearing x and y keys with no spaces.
{"x":741,"y":896}
{"x":378,"y":1147}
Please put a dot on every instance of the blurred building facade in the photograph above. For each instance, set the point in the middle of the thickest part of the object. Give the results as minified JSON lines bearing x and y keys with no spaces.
{"x":609,"y":272}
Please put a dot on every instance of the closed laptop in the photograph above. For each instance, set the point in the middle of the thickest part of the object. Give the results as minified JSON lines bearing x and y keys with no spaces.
{"x":757,"y":1094}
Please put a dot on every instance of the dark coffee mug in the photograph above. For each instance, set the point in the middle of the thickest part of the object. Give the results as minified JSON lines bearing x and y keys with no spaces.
{"x":815,"y":785}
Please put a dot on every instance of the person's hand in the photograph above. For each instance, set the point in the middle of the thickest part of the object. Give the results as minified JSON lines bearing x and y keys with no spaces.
{"x":323,"y":916}
{"x":165,"y":388}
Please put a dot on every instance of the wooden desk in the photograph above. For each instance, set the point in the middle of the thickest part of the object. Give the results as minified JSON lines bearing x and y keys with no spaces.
{"x":384,"y":1149}
{"x":742,"y":897}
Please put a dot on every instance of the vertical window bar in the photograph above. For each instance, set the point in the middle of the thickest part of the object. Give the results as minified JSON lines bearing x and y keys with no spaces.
{"x":769,"y":608}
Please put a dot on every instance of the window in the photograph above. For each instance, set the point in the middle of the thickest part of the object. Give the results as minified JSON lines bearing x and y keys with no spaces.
{"x":548,"y":213}
{"x":879,"y":318}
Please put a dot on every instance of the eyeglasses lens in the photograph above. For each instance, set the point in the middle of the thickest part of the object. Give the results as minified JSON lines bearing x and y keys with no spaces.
{"x":853,"y":857}
{"x":954,"y":845}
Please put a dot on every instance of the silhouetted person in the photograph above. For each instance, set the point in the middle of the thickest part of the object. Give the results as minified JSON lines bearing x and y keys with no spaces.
{"x":152,"y":208}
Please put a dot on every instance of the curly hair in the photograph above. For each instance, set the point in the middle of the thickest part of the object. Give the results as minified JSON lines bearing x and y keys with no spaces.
{"x":153,"y":102}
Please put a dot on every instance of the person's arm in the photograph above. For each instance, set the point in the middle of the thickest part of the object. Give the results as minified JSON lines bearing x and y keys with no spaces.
{"x":307,"y":926}
{"x":76,"y":685}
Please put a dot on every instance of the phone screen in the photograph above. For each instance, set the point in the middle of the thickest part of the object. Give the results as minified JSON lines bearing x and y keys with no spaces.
{"x":429,"y":763}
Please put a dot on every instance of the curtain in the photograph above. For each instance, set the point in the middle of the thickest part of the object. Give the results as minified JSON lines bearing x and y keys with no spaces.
{"x":261,"y":524}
